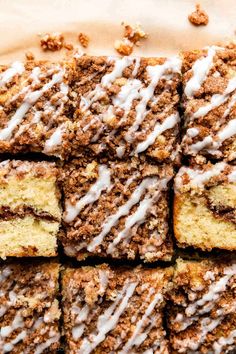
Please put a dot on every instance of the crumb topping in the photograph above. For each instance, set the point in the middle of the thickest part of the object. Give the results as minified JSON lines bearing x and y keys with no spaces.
{"x":52,"y":42}
{"x":199,"y":17}
{"x":129,"y":192}
{"x":29,"y":310}
{"x":207,"y":175}
{"x":209,"y":102}
{"x":125,"y":306}
{"x":84,"y":40}
{"x":130,"y":108}
{"x":132,"y":37}
{"x":203,"y":306}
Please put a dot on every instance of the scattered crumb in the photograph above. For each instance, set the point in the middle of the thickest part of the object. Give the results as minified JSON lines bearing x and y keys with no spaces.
{"x":84,"y":40}
{"x":134,"y":34}
{"x":52,"y":42}
{"x":132,"y":37}
{"x":29,"y":56}
{"x":124,"y":46}
{"x":198,"y":17}
{"x":68,"y":46}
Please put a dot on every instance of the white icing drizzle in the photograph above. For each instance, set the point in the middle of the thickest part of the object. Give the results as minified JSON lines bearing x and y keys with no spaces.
{"x":119,"y":65}
{"x":16,"y":68}
{"x":38,"y":323}
{"x":108,"y":320}
{"x":122,"y":211}
{"x":11,"y":302}
{"x":10,"y":346}
{"x":82,"y":314}
{"x":55,"y":139}
{"x":136,"y":66}
{"x":155,"y":73}
{"x":168,"y":123}
{"x":29,"y":100}
{"x":230,"y":106}
{"x":127,"y":94}
{"x":5,"y":273}
{"x":16,"y":323}
{"x":193,"y":132}
{"x":216,"y":100}
{"x":207,"y":325}
{"x":210,"y":297}
{"x":200,"y":70}
{"x":3,"y":310}
{"x":120,"y":150}
{"x":200,"y":145}
{"x":138,"y":336}
{"x":224,"y":341}
{"x":77,"y":331}
{"x":139,"y":216}
{"x":103,"y":280}
{"x":198,"y":177}
{"x":54,"y":338}
{"x":227,"y":132}
{"x":207,"y":302}
{"x":103,"y":183}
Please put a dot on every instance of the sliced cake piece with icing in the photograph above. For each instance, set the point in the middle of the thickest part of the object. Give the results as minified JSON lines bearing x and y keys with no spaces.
{"x":30,"y":212}
{"x":115,"y":310}
{"x":209,"y":100}
{"x":205,"y":206}
{"x":116,"y":209}
{"x":29,"y":311}
{"x":127,"y":106}
{"x":35,"y":107}
{"x":202,"y":309}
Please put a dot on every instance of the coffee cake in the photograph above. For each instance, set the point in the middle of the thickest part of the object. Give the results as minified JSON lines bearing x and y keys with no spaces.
{"x":127,"y":106}
{"x":115,"y":310}
{"x":209,"y":101}
{"x":205,"y":206}
{"x":29,"y":312}
{"x":202,"y":311}
{"x":30,"y":212}
{"x":35,"y":107}
{"x":116,"y":209}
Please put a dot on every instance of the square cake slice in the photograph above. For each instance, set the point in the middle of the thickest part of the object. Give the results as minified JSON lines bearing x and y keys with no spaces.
{"x":127,"y":106}
{"x":35,"y":107}
{"x":29,"y":312}
{"x":115,"y":310}
{"x":202,"y":315}
{"x":116,"y":209}
{"x":205,"y":206}
{"x":30,"y":211}
{"x":209,"y":80}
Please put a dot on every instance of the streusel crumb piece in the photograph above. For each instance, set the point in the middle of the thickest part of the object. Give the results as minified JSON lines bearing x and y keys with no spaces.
{"x":132,"y":36}
{"x":84,"y":40}
{"x":199,"y":17}
{"x":52,"y":42}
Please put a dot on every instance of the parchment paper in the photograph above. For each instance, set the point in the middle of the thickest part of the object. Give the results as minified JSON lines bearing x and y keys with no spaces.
{"x":165,"y":20}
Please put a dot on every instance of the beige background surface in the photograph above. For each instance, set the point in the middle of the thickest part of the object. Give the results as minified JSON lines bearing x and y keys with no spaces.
{"x":165,"y":20}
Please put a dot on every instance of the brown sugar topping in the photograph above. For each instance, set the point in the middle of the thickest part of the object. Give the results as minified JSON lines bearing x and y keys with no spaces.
{"x":199,"y":17}
{"x":83,"y":39}
{"x":52,"y":42}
